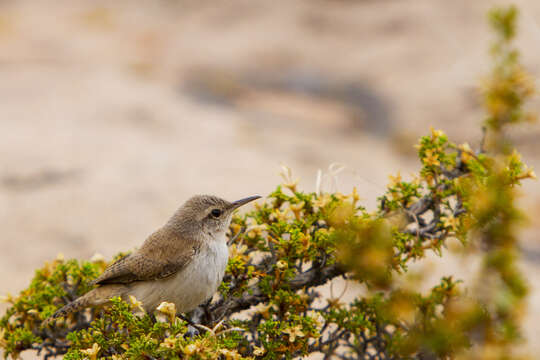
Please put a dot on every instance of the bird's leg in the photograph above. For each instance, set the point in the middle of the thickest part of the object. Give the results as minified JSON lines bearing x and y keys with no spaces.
{"x":192,"y":326}
{"x":192,"y":331}
{"x":206,"y":317}
{"x":196,"y":315}
{"x":186,"y":319}
{"x":195,"y":319}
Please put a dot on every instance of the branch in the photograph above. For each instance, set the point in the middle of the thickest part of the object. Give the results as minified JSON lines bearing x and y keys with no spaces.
{"x":253,"y":295}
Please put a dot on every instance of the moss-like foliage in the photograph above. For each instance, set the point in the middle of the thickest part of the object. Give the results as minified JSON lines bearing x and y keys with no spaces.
{"x":269,"y":303}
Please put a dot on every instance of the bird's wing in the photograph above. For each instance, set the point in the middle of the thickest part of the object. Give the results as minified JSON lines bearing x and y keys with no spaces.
{"x":149,"y":263}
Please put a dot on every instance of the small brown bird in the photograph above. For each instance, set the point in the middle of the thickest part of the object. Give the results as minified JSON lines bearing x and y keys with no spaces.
{"x":182,"y":262}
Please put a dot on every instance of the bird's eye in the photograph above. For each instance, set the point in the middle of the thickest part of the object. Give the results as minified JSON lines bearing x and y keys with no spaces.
{"x":216,"y":213}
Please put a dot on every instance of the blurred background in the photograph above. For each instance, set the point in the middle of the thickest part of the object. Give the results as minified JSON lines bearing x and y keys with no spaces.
{"x":112,"y":114}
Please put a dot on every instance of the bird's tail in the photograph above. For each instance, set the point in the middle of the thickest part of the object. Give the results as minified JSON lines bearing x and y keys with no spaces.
{"x":96,"y":297}
{"x":76,"y":305}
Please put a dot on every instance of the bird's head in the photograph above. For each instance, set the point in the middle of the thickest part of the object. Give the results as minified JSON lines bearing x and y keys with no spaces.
{"x":207,"y":215}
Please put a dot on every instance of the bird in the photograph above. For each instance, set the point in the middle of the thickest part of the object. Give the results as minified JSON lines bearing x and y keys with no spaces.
{"x":182,"y":262}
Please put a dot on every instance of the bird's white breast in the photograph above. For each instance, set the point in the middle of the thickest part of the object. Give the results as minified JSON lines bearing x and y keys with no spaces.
{"x":191,"y":286}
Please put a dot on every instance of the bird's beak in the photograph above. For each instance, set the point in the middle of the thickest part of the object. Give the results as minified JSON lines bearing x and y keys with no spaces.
{"x":238,"y":203}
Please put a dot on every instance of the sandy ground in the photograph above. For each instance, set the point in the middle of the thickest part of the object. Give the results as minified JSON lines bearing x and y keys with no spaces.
{"x":113,"y":113}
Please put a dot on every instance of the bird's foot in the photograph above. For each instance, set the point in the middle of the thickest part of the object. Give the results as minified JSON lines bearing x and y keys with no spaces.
{"x":191,"y":332}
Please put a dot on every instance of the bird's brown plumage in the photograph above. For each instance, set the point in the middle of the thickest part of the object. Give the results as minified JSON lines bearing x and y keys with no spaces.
{"x":156,"y":259}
